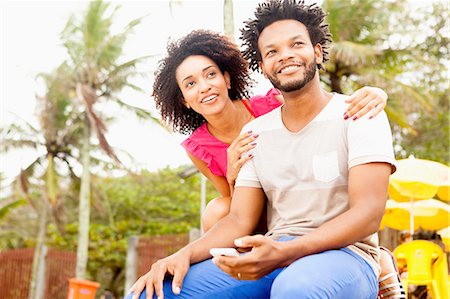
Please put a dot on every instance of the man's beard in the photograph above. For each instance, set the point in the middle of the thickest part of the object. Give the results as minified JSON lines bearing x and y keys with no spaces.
{"x":310,"y":72}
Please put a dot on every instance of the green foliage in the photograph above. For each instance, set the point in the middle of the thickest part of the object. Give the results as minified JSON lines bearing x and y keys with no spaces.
{"x":4,"y":210}
{"x":402,"y":48}
{"x":133,"y":205}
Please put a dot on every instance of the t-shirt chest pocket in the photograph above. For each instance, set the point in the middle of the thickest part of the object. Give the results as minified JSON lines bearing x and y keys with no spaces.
{"x":326,"y":166}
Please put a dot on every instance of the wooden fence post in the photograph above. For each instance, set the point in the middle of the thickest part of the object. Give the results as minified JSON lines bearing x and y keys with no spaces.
{"x":131,"y":263}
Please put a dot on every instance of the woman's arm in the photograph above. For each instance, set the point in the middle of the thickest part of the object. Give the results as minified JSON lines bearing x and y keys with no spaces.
{"x":219,"y":182}
{"x":361,"y":102}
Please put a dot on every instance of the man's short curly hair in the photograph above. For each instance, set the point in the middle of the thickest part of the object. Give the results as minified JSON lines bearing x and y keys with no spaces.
{"x":167,"y":94}
{"x":271,"y":11}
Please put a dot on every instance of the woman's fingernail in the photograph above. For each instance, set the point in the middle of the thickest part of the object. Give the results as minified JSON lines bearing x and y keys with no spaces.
{"x":255,"y":135}
{"x":355,"y":117}
{"x":345,"y":116}
{"x":249,"y":132}
{"x":253,"y":144}
{"x":250,"y":155}
{"x":238,"y":242}
{"x":177,"y":290}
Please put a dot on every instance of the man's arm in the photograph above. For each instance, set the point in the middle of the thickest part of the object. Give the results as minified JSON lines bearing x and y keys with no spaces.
{"x":367,"y":190}
{"x":245,"y":211}
{"x":246,"y":208}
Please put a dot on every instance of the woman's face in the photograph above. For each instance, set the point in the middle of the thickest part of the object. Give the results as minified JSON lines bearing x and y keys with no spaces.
{"x":204,"y":87}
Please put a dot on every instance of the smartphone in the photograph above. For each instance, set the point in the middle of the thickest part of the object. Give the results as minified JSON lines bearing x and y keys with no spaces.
{"x":223,"y":251}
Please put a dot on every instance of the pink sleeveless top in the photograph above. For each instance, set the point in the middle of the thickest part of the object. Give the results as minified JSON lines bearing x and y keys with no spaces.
{"x":212,"y":151}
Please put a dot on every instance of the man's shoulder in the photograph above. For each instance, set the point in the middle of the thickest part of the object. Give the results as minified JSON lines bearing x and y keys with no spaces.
{"x":266,"y":121}
{"x":338,"y":102}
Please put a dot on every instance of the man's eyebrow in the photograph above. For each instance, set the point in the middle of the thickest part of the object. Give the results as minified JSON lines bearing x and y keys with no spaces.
{"x":292,"y":38}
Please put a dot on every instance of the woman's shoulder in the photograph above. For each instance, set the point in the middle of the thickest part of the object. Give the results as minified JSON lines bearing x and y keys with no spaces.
{"x":207,"y":148}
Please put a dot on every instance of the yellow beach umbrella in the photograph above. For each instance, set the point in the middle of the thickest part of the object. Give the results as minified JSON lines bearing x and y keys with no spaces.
{"x":418,"y":179}
{"x":445,"y":236}
{"x":429,"y":214}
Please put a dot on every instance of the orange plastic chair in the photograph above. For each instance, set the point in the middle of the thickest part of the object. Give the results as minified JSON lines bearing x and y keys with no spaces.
{"x":426,"y":264}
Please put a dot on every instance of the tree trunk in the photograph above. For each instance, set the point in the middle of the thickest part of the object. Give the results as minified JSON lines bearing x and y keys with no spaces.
{"x":335,"y":83}
{"x":228,"y":19}
{"x":43,"y":215}
{"x":84,"y":205}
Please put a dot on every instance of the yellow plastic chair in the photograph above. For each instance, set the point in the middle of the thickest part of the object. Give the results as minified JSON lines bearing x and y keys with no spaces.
{"x":426,"y":264}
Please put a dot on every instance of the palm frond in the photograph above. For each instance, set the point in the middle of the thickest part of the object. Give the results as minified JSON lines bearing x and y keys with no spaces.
{"x":347,"y":53}
{"x":124,"y":67}
{"x":9,"y":207}
{"x":9,"y":144}
{"x":139,"y":112}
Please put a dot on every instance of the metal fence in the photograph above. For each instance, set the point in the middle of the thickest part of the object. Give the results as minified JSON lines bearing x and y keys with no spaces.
{"x":151,"y":249}
{"x":15,"y":273}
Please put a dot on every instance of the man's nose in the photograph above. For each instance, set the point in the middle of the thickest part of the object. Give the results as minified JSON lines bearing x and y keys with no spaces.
{"x":285,"y":53}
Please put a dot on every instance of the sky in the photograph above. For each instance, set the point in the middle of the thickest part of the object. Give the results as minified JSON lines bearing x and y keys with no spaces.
{"x":30,"y":44}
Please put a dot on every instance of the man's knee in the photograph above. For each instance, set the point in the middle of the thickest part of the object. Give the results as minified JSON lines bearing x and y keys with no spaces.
{"x":215,"y":210}
{"x":295,"y":287}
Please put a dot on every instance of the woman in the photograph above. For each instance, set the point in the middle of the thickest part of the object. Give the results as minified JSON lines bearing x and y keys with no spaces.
{"x":201,"y":90}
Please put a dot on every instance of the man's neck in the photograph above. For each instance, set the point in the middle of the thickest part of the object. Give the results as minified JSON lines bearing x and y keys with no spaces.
{"x":303,"y":105}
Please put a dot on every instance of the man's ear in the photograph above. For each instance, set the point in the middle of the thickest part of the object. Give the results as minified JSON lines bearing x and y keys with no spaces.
{"x":226,"y":75}
{"x":318,"y":53}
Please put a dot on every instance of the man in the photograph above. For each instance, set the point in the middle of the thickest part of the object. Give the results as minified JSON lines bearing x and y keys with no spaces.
{"x":325,"y":180}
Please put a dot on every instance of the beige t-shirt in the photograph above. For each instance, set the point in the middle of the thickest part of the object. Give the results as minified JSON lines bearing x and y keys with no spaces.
{"x":305,"y":174}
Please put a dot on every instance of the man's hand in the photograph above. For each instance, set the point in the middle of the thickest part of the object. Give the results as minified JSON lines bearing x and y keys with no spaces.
{"x":177,"y":264}
{"x":265,"y":256}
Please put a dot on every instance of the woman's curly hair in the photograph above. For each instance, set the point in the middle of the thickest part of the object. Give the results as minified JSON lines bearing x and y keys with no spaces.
{"x":167,"y":94}
{"x":271,"y":11}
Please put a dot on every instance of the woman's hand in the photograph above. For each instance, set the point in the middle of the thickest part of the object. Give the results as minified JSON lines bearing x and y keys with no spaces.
{"x":235,"y":159}
{"x":364,"y":100}
{"x":176,"y":264}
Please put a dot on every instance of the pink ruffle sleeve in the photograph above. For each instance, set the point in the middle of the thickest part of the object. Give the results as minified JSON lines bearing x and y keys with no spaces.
{"x":209,"y":149}
{"x":262,"y":104}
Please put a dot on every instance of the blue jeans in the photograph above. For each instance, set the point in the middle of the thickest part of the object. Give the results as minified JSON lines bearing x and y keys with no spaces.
{"x":334,"y":274}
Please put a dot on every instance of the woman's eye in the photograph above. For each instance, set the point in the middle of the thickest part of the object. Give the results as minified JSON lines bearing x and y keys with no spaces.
{"x":298,"y":44}
{"x":190,"y":84}
{"x":211,"y":74}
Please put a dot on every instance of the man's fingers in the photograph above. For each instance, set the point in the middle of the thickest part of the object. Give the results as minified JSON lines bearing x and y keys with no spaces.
{"x":157,"y":282}
{"x":249,"y":241}
{"x":177,"y":282}
{"x":138,"y":287}
{"x":149,"y":290}
{"x":226,"y":263}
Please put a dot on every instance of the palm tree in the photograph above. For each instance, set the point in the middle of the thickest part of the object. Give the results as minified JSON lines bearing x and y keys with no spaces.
{"x":363,"y":54}
{"x":57,"y":138}
{"x":228,"y":19}
{"x":95,"y":56}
